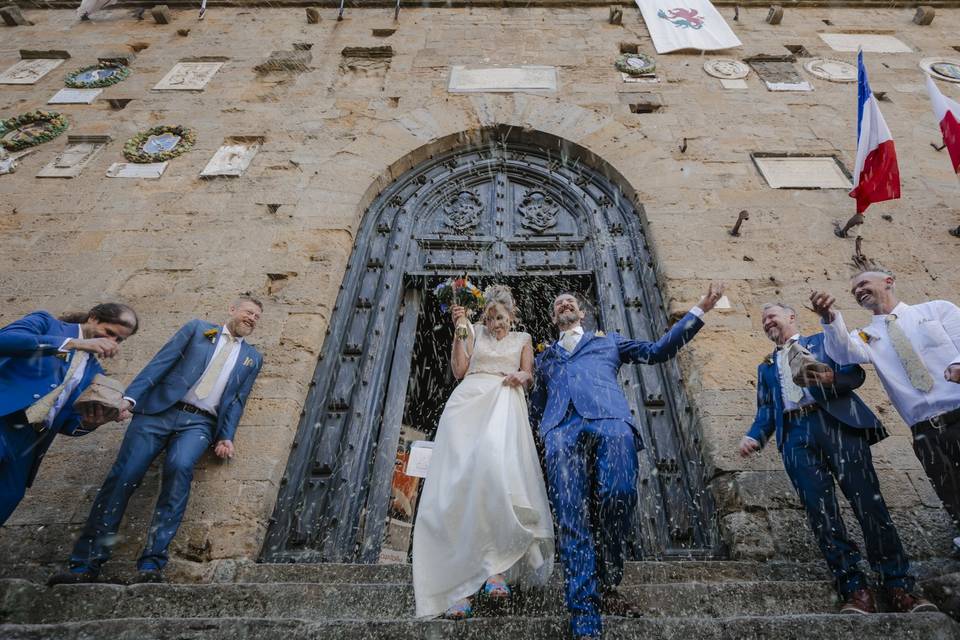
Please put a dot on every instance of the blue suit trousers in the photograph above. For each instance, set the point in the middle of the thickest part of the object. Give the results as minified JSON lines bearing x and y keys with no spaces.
{"x":591,"y":476}
{"x":184,"y":436}
{"x":17,"y":455}
{"x":818,"y":451}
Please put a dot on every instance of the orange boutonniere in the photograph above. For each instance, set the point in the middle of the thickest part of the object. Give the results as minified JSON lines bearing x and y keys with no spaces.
{"x":211,"y":334}
{"x":541,"y":347}
{"x":866,"y":337}
{"x":599,"y":334}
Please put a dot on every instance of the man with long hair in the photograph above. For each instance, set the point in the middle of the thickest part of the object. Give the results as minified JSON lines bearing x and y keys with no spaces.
{"x":45,"y":364}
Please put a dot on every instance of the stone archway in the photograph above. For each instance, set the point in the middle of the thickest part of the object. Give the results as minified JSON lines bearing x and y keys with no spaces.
{"x":506,"y":202}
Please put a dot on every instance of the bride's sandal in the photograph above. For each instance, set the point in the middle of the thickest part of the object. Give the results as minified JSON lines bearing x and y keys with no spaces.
{"x":496,"y":588}
{"x":460,"y":610}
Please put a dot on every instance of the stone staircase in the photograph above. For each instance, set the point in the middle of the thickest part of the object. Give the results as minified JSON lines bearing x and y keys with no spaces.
{"x":682,"y":600}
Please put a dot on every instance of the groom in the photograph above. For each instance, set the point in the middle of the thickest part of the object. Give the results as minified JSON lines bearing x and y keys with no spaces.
{"x":591,"y":445}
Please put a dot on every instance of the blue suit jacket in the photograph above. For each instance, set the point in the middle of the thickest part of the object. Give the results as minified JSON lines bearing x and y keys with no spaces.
{"x":587,"y":377}
{"x":31,"y":365}
{"x":838,"y":400}
{"x":179,"y":365}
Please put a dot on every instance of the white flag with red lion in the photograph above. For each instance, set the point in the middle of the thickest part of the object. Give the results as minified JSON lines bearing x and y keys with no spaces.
{"x":686,"y":24}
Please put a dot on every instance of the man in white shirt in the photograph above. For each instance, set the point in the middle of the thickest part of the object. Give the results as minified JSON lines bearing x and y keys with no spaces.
{"x":189,"y":397}
{"x":915,"y":350}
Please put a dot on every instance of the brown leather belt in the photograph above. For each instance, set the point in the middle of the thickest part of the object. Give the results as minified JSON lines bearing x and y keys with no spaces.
{"x":939,"y":422}
{"x":802,"y":411}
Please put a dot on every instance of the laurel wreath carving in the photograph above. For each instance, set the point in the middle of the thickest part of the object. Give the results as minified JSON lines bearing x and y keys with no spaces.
{"x":54,"y":124}
{"x":622,"y":65}
{"x":121,"y":74}
{"x":133,"y":149}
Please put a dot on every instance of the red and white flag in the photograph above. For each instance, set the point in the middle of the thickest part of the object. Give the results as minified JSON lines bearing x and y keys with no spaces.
{"x":876,"y":176}
{"x":947,"y":113}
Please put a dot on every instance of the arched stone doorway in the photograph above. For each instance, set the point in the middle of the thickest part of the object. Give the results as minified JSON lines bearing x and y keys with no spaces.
{"x":510,"y":205}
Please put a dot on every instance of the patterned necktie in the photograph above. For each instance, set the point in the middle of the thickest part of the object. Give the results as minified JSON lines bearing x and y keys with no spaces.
{"x":794,"y":392}
{"x":919,"y":377}
{"x":569,"y":341}
{"x":213,"y":372}
{"x":41,"y":408}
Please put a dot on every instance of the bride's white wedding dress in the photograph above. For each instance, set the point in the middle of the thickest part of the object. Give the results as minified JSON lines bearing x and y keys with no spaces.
{"x":483,"y":509}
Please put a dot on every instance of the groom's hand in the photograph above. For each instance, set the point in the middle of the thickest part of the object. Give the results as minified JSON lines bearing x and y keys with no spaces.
{"x":748,"y":446}
{"x":713,"y":295}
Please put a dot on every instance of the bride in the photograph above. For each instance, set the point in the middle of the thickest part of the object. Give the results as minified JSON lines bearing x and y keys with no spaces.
{"x":483,"y":521}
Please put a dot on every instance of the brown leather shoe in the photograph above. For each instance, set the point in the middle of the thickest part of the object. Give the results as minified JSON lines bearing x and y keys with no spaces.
{"x":613,"y":603}
{"x":902,"y":601}
{"x":860,"y":602}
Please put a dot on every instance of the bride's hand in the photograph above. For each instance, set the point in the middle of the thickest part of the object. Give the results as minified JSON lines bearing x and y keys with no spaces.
{"x":457,"y":312}
{"x":517,"y":379}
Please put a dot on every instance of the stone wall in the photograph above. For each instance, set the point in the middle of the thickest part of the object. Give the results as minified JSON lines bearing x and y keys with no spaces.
{"x":335,"y":134}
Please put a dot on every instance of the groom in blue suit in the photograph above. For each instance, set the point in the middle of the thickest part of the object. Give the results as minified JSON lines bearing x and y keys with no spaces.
{"x":45,"y":364}
{"x":824,"y":431}
{"x":591,"y":444}
{"x":189,"y":397}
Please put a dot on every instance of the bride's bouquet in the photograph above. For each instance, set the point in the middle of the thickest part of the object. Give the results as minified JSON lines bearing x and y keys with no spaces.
{"x":463,"y":293}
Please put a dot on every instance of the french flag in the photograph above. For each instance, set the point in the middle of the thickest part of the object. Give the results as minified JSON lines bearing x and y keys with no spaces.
{"x":876,"y":176}
{"x":947,"y":112}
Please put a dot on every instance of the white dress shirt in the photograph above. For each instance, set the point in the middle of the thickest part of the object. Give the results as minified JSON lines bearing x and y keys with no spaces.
{"x":577,"y":331}
{"x":212,"y":401}
{"x":69,"y":385}
{"x":788,"y":404}
{"x":933,"y":329}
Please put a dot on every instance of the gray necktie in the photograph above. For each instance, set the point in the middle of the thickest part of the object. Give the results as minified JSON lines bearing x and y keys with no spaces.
{"x":569,"y":341}
{"x":919,"y":377}
{"x":793,"y":391}
{"x":39,"y":410}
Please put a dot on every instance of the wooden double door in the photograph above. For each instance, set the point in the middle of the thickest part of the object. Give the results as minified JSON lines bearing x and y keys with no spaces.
{"x":503,"y":211}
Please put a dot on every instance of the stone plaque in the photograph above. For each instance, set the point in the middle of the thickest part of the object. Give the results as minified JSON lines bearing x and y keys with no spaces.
{"x":832,"y":70}
{"x":726,"y":69}
{"x":946,"y":69}
{"x":150,"y":171}
{"x":502,"y":79}
{"x":75,"y":96}
{"x":231,"y":159}
{"x":78,"y":154}
{"x":28,"y":71}
{"x":645,"y":78}
{"x":869,"y":42}
{"x":779,"y":73}
{"x":736,"y":83}
{"x":783,"y":172}
{"x":188,"y":76}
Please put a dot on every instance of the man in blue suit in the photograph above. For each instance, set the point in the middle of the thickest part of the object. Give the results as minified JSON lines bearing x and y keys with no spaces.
{"x":824,"y":432}
{"x":591,"y":443}
{"x":45,"y":364}
{"x":189,"y":397}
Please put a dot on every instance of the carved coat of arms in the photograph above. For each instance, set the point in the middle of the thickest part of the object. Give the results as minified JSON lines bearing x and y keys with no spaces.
{"x":463,"y":211}
{"x":538,"y":211}
{"x":682,"y":18}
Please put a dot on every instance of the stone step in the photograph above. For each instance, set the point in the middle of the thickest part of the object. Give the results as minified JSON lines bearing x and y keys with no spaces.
{"x":29,"y":603}
{"x":921,"y":626}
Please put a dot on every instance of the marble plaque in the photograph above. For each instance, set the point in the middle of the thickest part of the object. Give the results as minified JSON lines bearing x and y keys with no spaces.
{"x":788,"y":86}
{"x":802,"y":173}
{"x":72,"y":160}
{"x":188,"y":76}
{"x":647,"y":78}
{"x":726,"y":68}
{"x":29,"y":71}
{"x":869,"y":42}
{"x":502,"y":79}
{"x":736,"y":83}
{"x":75,"y":96}
{"x":831,"y":70}
{"x":946,"y":69}
{"x":150,"y":171}
{"x":231,"y":160}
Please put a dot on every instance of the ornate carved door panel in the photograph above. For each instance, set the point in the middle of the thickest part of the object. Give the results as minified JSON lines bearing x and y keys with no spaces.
{"x":505,"y":209}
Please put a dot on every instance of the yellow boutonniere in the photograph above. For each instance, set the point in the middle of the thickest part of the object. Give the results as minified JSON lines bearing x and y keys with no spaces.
{"x":768,"y":360}
{"x":211,"y":334}
{"x":541,"y":347}
{"x":866,"y":337}
{"x":599,"y":334}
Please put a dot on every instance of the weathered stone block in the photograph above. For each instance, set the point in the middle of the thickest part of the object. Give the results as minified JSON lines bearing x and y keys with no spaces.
{"x":13,"y":17}
{"x":161,"y":14}
{"x":747,"y":535}
{"x":924,"y":15}
{"x":313,"y":15}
